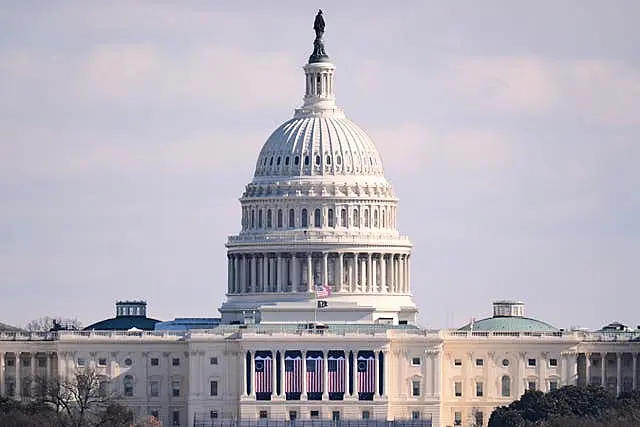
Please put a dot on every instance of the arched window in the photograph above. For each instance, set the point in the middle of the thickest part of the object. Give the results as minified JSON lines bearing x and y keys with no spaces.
{"x":304,"y":218}
{"x":375,"y":219}
{"x":316,"y":218}
{"x":128,"y":385}
{"x":356,"y":218}
{"x":269,"y":224}
{"x":506,"y":386}
{"x":260,"y":218}
{"x":278,"y":161}
{"x":306,"y":160}
{"x":317,"y":160}
{"x":292,"y":218}
{"x":383,"y":217}
{"x":366,"y":217}
{"x":330,"y":219}
{"x":328,"y":159}
{"x":338,"y":160}
{"x":296,"y":160}
{"x":271,"y":161}
{"x":343,"y":218}
{"x":279,"y":218}
{"x":286,"y":161}
{"x":253,"y":218}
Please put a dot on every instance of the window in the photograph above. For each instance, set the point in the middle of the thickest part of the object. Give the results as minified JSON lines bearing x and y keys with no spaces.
{"x":506,"y":386}
{"x":317,"y":160}
{"x":553,"y":385}
{"x":175,"y":418}
{"x":214,"y":414}
{"x":155,"y":361}
{"x":279,"y":218}
{"x":286,"y":161}
{"x":128,"y":362}
{"x":175,"y":388}
{"x":457,"y":419}
{"x":328,"y":160}
{"x":335,"y":416}
{"x":213,"y":361}
{"x":415,"y":361}
{"x":531,"y":362}
{"x":27,"y":362}
{"x":531,"y":385}
{"x":154,"y":388}
{"x":296,"y":160}
{"x":81,"y":361}
{"x":306,"y":160}
{"x":43,"y":362}
{"x":292,"y":218}
{"x":457,"y":362}
{"x":366,"y":217}
{"x":415,"y":388}
{"x":343,"y":218}
{"x":128,"y":386}
{"x":278,"y":161}
{"x":271,"y":161}
{"x":213,"y":387}
{"x":366,"y":415}
{"x":330,"y":219}
{"x":259,"y":218}
{"x":356,"y":218}
{"x":102,"y":361}
{"x":553,"y":362}
{"x":316,"y":218}
{"x":11,"y":362}
{"x":263,"y":415}
{"x":479,"y":362}
{"x":375,"y":219}
{"x":175,"y":361}
{"x":479,"y":416}
{"x":415,"y":415}
{"x":269,"y":224}
{"x":457,"y":389}
{"x":338,"y":160}
{"x":253,"y":218}
{"x":314,"y":414}
{"x":505,"y":362}
{"x":304,"y":218}
{"x":293,"y":415}
{"x":479,"y":389}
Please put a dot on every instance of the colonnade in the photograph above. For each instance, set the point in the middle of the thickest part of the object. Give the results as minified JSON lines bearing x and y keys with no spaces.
{"x":16,"y":381}
{"x":344,"y":272}
{"x":620,"y":376}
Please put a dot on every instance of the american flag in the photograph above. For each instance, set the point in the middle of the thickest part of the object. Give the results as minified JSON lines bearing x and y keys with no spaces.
{"x":293,"y":374}
{"x":366,"y":374}
{"x":336,"y":368}
{"x":315,"y":367}
{"x":264,"y":366}
{"x":322,"y":291}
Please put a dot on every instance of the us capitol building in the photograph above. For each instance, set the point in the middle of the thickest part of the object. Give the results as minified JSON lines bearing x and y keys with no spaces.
{"x":319,"y":321}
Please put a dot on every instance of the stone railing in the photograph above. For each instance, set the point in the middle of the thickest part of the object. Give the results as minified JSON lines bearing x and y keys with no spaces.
{"x":325,"y":236}
{"x":453,"y":334}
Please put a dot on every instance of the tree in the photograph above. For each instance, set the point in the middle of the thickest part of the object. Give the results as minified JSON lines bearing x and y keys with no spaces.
{"x":47,"y":324}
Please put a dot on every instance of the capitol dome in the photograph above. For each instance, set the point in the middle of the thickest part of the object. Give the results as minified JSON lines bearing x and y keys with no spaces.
{"x":319,"y":214}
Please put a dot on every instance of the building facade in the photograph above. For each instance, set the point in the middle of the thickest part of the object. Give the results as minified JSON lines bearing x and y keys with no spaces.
{"x":319,"y":321}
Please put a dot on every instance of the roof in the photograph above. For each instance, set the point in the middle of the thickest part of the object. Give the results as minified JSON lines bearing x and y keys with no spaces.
{"x":5,"y":327}
{"x":510,"y":324}
{"x":124,"y":323}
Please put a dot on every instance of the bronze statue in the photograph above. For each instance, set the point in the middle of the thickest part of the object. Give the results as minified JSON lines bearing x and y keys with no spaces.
{"x":318,"y":25}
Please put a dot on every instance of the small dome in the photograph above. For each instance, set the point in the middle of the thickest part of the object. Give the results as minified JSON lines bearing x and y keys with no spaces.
{"x":316,"y":146}
{"x":509,"y":324}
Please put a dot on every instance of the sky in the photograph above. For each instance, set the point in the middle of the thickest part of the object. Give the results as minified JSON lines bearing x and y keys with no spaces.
{"x":509,"y":130}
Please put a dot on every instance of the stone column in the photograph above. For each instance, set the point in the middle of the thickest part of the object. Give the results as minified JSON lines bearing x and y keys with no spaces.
{"x":349,"y":275}
{"x":325,"y":376}
{"x":325,"y":268}
{"x":408,"y":285}
{"x":244,"y":374}
{"x":618,"y":372}
{"x":273,"y":284}
{"x":385,"y":373}
{"x":280,"y":274}
{"x":32,"y":365}
{"x":274,"y":376}
{"x":2,"y":375}
{"x":355,"y":374}
{"x":603,"y":369}
{"x":364,"y":276}
{"x":309,"y":274}
{"x":383,"y":273}
{"x":304,"y":376}
{"x":254,"y":274}
{"x":252,"y":370}
{"x":370,"y":280}
{"x":542,"y":374}
{"x":230,"y":274}
{"x":265,"y":271}
{"x":573,"y":369}
{"x":340,"y":272}
{"x":295,"y":282}
{"x":282,"y":373}
{"x":18,"y":362}
{"x":587,"y":368}
{"x":376,"y":373}
{"x":244,"y":286}
{"x":238,"y":272}
{"x":356,"y":267}
{"x":634,"y":380}
{"x":347,"y":374}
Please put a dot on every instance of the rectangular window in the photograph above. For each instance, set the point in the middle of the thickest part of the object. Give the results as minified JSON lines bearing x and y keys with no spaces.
{"x":479,"y":362}
{"x":553,"y":362}
{"x":263,"y":415}
{"x":553,"y":385}
{"x":27,"y":362}
{"x":335,"y":416}
{"x":479,"y":419}
{"x":457,"y":419}
{"x":154,"y":389}
{"x":213,"y":361}
{"x":415,"y":361}
{"x":213,"y":385}
{"x":11,"y":362}
{"x":82,"y":361}
{"x":415,"y":415}
{"x":457,"y":362}
{"x":415,"y":388}
{"x":175,"y":388}
{"x":457,"y":389}
{"x":366,"y":415}
{"x":293,"y":415}
{"x":155,"y":361}
{"x":532,"y":362}
{"x":175,"y":361}
{"x":175,"y":418}
{"x":479,"y":389}
{"x":42,"y":363}
{"x":213,"y":414}
{"x":102,"y":361}
{"x":531,"y":385}
{"x":314,"y":414}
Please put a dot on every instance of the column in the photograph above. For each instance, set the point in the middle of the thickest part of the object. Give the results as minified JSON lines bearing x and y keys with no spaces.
{"x":279,"y":274}
{"x":243,"y":274}
{"x":282,"y":373}
{"x":294,"y":273}
{"x":542,"y":372}
{"x":634,"y":380}
{"x":252,"y":370}
{"x":376,"y":370}
{"x":229,"y":273}
{"x":356,"y":267}
{"x":587,"y":367}
{"x":237,"y":282}
{"x":325,"y":268}
{"x":32,"y":365}
{"x":347,"y":374}
{"x":573,"y":369}
{"x":408,"y":285}
{"x":603,"y":372}
{"x":340,"y":272}
{"x":18,"y":362}
{"x":253,"y":280}
{"x":385,"y":373}
{"x":364,"y":276}
{"x":265,"y":271}
{"x":244,"y":373}
{"x":309,"y":277}
{"x":304,"y":376}
{"x":274,"y":375}
{"x":355,"y":374}
{"x":273,"y":285}
{"x":2,"y":377}
{"x":392,"y":272}
{"x":325,"y":376}
{"x":383,"y":274}
{"x":370,"y":280}
{"x":618,"y":372}
{"x":349,"y":275}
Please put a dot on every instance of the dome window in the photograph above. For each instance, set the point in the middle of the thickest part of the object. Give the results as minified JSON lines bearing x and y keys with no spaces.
{"x":269,"y":224}
{"x":317,"y":218}
{"x":304,"y":218}
{"x":260,"y":218}
{"x":265,"y":162}
{"x":330,"y":218}
{"x":286,"y":161}
{"x":328,"y":159}
{"x":278,"y":161}
{"x":306,"y":160}
{"x":296,"y":160}
{"x":317,"y":160}
{"x":375,"y":219}
{"x":253,"y":218}
{"x":292,"y":218}
{"x":279,"y":218}
{"x":356,"y":218}
{"x":271,"y":162}
{"x":338,"y":160}
{"x":343,"y":218}
{"x":366,"y":217}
